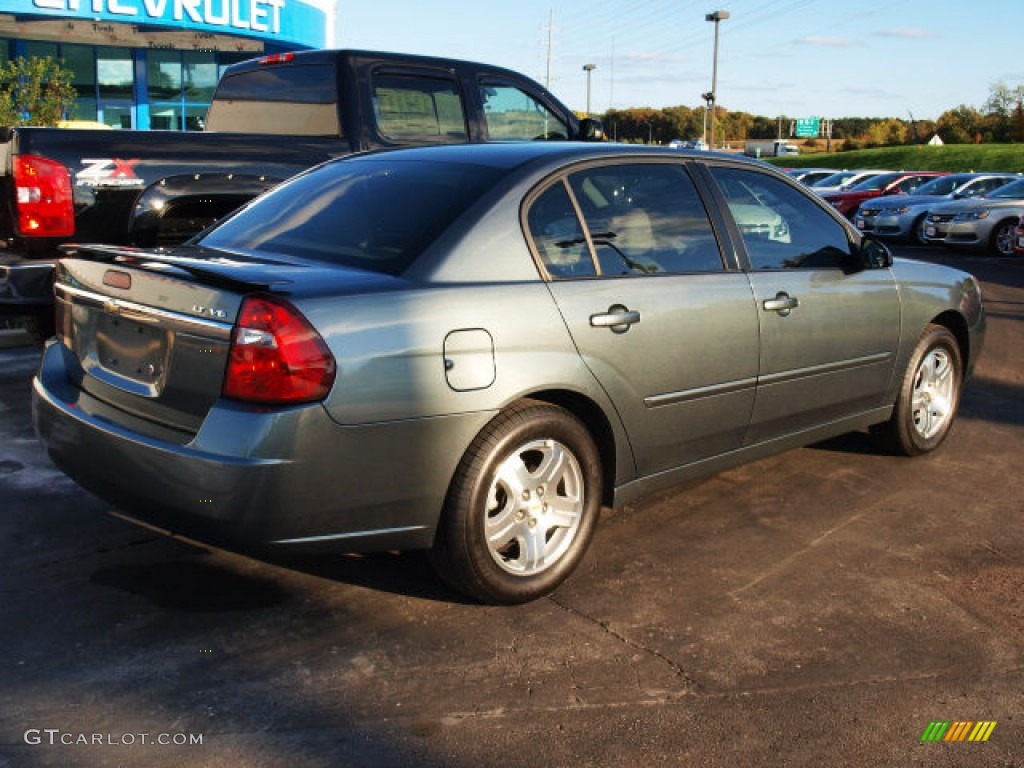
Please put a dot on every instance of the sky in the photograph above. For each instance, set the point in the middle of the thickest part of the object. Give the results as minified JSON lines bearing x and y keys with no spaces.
{"x":792,"y":58}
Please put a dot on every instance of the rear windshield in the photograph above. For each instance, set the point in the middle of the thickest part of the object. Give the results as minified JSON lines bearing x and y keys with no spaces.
{"x":376,"y":215}
{"x":283,"y":99}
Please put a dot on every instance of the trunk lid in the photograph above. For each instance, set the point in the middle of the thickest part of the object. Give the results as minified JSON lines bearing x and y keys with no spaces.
{"x":148,"y":334}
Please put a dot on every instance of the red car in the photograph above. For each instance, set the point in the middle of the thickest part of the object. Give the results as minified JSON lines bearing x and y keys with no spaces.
{"x":895,"y":183}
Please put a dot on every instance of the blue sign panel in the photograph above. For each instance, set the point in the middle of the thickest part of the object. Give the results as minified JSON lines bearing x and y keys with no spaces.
{"x":291,"y":21}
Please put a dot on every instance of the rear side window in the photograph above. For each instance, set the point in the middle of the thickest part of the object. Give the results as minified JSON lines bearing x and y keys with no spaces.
{"x":642,"y":219}
{"x":377,"y":215}
{"x":296,"y":100}
{"x":558,"y":236}
{"x":417,"y":108}
{"x":646,"y":220}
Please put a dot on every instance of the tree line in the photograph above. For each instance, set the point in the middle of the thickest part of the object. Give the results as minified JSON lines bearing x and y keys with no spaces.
{"x":1000,"y":120}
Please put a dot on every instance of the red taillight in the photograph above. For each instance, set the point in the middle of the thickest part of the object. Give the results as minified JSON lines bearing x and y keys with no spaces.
{"x":276,"y":58}
{"x":43,"y":193}
{"x":276,"y":356}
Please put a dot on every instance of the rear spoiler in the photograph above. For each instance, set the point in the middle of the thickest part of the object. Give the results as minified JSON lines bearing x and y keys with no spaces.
{"x":216,"y":268}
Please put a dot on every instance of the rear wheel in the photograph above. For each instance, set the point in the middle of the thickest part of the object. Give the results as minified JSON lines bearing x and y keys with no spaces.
{"x":522,"y":507}
{"x":928,"y":398}
{"x":1002,"y":237}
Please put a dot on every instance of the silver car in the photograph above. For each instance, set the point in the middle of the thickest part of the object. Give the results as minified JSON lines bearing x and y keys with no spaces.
{"x":840,"y":181}
{"x":902,"y":217}
{"x":473,"y":349}
{"x":986,"y":223}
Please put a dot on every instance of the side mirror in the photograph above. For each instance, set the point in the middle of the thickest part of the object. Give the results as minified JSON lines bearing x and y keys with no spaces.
{"x":874,"y":254}
{"x":591,"y":130}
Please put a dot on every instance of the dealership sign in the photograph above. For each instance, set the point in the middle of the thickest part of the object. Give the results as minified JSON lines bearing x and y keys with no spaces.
{"x":284,"y":20}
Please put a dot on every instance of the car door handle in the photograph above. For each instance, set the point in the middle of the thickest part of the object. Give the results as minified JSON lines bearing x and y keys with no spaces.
{"x":618,"y":318}
{"x":783,"y":303}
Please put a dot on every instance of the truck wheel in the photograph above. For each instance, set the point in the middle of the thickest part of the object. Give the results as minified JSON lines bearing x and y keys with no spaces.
{"x":928,"y":398}
{"x":522,"y":507}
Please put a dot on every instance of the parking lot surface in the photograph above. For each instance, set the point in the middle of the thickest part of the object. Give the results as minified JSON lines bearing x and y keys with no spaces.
{"x":822,"y":607}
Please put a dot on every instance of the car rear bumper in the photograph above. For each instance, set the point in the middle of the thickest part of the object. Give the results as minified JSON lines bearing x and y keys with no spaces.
{"x":259,"y":477}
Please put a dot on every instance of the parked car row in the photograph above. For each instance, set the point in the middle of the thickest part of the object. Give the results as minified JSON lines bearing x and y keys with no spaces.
{"x":987,"y":222}
{"x":967,"y":210}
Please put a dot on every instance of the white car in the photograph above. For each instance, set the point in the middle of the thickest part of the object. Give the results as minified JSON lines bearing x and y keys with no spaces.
{"x":842,"y":180}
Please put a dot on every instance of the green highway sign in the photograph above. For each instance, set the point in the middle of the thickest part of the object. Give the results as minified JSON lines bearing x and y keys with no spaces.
{"x":806,"y":127}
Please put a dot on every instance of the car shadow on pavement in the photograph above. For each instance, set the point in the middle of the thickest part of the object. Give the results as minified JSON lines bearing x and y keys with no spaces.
{"x":185,"y":582}
{"x":401,"y":573}
{"x":191,"y":586}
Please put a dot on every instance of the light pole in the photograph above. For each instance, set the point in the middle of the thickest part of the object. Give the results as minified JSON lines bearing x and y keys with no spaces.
{"x":709,"y":99}
{"x":588,"y":68}
{"x":716,"y":17}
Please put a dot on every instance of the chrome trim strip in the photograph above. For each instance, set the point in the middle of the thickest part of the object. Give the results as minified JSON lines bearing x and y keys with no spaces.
{"x":671,"y":398}
{"x":141,"y":313}
{"x":730,"y":387}
{"x":356,"y":534}
{"x":817,"y":370}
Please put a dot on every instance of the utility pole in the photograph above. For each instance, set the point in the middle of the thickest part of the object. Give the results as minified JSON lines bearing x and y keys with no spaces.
{"x":551,"y":23}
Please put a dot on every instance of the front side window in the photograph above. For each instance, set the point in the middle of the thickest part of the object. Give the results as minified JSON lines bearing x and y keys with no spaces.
{"x":412,"y":107}
{"x":512,"y":114}
{"x":910,"y":184}
{"x":984,"y":186}
{"x":781,"y":228}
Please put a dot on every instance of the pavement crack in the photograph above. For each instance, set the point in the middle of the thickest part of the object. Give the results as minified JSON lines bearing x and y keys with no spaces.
{"x":629,"y":642}
{"x":784,"y":563}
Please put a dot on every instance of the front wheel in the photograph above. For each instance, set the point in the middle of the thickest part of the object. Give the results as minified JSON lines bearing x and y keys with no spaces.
{"x":917,"y":234}
{"x":522,"y":507}
{"x":1002,"y":237}
{"x":928,"y":398}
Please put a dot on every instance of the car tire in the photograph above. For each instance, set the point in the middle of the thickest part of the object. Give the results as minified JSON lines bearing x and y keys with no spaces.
{"x":1002,"y":237}
{"x":522,"y":507}
{"x":928,"y":397}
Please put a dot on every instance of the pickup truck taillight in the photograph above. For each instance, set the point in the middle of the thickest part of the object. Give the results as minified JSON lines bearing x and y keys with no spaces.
{"x":276,"y":356}
{"x":44,"y":198}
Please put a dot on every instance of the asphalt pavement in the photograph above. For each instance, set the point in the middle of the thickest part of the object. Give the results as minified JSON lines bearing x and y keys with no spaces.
{"x":820,"y":608}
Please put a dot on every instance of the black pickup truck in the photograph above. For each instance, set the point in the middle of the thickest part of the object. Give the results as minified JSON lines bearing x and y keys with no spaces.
{"x":270,"y":118}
